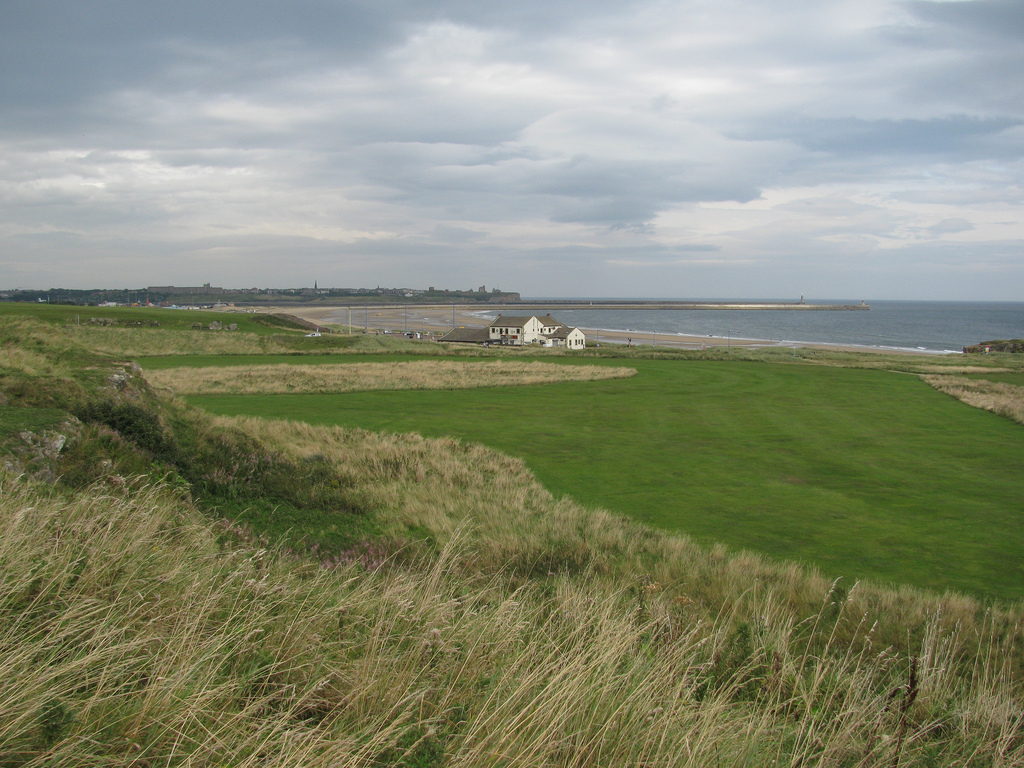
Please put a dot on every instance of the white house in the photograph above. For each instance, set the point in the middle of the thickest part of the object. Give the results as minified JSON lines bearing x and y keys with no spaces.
{"x":518,"y":330}
{"x":570,"y":338}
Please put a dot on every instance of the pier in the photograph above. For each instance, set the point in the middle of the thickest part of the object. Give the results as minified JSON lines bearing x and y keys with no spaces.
{"x":556,"y":304}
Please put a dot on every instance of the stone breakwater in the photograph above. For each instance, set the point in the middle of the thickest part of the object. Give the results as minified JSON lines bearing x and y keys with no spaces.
{"x":545,"y":306}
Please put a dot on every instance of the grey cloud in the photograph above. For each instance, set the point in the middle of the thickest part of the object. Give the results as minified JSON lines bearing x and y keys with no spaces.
{"x":580,"y":189}
{"x":416,"y":135}
{"x":950,"y":227}
{"x":206,"y":158}
{"x":696,"y":248}
{"x":989,"y":19}
{"x":959,"y":136}
{"x":55,"y":52}
{"x":448,"y":234}
{"x":624,"y":172}
{"x":970,"y":54}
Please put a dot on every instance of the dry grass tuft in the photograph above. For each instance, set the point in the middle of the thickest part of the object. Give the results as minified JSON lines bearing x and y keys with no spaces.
{"x":1004,"y":399}
{"x":954,"y":369}
{"x":347,"y":377}
{"x":133,"y":636}
{"x":26,"y":361}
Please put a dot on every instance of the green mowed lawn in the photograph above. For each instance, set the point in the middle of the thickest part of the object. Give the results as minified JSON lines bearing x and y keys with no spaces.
{"x":862,"y":473}
{"x":168,"y":319}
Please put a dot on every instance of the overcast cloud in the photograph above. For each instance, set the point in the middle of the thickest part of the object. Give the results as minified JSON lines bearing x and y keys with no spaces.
{"x":688,"y":148}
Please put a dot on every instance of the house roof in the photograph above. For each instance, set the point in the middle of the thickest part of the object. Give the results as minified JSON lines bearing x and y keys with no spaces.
{"x":518,"y":321}
{"x":562,"y":332}
{"x":466,"y":335}
{"x":514,"y":320}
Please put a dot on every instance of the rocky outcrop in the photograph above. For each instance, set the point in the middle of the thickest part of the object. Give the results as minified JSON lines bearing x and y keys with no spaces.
{"x":1013,"y":345}
{"x":36,"y":454}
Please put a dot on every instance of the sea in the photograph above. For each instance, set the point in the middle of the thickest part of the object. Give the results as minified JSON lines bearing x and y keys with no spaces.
{"x":939,"y":327}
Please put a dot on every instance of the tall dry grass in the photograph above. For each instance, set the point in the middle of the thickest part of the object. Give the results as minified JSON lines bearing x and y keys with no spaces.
{"x":1004,"y":399}
{"x":951,"y":368}
{"x":420,"y":374}
{"x":25,"y":361}
{"x":33,"y":347}
{"x":133,"y":636}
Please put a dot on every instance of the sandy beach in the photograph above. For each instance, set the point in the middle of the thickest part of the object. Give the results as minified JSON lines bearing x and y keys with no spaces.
{"x":438,"y":320}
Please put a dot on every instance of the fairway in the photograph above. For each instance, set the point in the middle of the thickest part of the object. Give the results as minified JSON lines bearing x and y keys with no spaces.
{"x":862,"y":473}
{"x":177,"y":319}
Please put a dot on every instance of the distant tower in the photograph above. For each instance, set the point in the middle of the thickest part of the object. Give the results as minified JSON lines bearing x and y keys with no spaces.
{"x":314,"y":285}
{"x":801,"y":298}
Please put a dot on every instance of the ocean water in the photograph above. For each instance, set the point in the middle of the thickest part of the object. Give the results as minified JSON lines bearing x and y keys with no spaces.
{"x":932,"y":326}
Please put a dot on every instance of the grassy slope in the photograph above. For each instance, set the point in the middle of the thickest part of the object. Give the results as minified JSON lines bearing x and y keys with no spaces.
{"x":864,"y":473}
{"x":177,"y":319}
{"x":53,"y":374}
{"x":134,"y":635}
{"x":521,"y":631}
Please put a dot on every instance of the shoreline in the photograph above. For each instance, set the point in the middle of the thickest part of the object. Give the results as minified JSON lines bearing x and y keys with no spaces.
{"x":439,"y":319}
{"x":555,"y":304}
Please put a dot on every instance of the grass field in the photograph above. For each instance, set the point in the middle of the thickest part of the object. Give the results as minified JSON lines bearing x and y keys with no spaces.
{"x":176,"y":319}
{"x":182,"y":589}
{"x":133,"y":332}
{"x":862,"y":473}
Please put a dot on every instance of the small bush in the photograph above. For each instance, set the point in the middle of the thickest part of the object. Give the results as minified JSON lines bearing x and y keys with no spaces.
{"x":134,"y":422}
{"x":55,"y":720}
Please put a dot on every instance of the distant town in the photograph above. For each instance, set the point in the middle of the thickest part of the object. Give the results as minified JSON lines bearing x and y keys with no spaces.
{"x":211,"y":296}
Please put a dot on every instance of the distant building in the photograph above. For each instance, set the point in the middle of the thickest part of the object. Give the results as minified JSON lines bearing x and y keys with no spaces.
{"x":203,"y":290}
{"x":521,"y":329}
{"x":570,"y":338}
{"x":517,"y":331}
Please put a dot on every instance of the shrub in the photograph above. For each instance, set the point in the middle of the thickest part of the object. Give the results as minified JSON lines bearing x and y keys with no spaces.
{"x":132,"y":421}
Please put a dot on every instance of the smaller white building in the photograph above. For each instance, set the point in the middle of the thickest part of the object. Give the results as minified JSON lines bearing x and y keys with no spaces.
{"x":570,"y":338}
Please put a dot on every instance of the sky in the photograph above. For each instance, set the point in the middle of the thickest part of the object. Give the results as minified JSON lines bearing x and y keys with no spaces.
{"x":574,"y":148}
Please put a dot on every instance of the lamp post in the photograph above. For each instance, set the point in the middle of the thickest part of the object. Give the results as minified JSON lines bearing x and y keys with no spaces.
{"x":730,"y":341}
